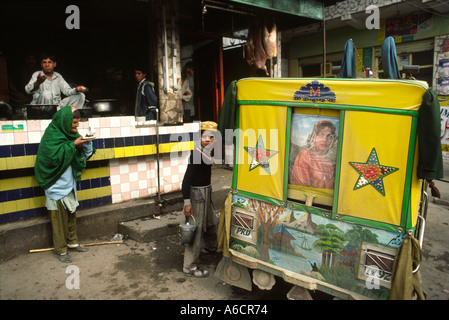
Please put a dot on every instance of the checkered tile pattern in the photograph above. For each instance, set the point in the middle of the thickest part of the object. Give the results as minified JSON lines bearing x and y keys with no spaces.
{"x":136,"y":177}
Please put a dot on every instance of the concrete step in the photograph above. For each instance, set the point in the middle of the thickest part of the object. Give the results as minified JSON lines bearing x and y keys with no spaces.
{"x":151,"y":228}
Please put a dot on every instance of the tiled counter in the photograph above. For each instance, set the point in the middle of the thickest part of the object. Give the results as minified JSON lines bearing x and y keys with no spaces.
{"x":122,"y":168}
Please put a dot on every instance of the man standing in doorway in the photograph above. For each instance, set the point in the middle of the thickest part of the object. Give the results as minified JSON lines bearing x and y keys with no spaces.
{"x":146,"y":99}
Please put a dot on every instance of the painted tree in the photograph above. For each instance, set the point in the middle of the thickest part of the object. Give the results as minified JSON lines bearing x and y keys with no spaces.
{"x":330,"y":242}
{"x":357,"y":235}
{"x":268,"y":217}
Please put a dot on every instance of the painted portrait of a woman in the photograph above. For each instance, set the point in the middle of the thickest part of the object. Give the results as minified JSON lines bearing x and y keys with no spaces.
{"x":313,"y":166}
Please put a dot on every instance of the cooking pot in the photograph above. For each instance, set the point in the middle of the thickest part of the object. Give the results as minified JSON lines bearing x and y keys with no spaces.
{"x":41,"y":111}
{"x":103,"y":105}
{"x":6,"y":110}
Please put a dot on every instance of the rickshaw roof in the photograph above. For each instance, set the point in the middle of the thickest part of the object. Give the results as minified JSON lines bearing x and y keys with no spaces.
{"x":377,"y":93}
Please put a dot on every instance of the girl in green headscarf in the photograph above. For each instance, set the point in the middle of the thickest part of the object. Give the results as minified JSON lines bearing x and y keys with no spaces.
{"x":61,"y":158}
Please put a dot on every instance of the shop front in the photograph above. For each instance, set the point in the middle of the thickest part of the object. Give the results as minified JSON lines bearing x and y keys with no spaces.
{"x":113,"y":39}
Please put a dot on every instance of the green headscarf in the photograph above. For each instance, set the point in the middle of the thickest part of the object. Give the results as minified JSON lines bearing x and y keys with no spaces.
{"x":57,"y":150}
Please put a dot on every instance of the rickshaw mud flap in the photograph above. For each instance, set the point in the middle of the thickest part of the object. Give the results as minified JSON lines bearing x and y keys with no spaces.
{"x":294,"y":278}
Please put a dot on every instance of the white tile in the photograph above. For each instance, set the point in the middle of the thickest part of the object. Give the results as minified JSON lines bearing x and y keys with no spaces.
{"x":133,"y":176}
{"x":174,"y":159}
{"x":7,"y":138}
{"x":163,"y":130}
{"x":141,"y":166}
{"x":116,"y":198}
{"x":124,"y":187}
{"x":104,"y":133}
{"x":182,"y":168}
{"x":152,"y":190}
{"x":145,"y":131}
{"x":44,"y":124}
{"x":166,"y":172}
{"x":124,"y":168}
{"x":115,"y":122}
{"x":143,"y":184}
{"x":115,"y":179}
{"x":135,"y":194}
{"x":125,"y":131}
{"x":167,"y":187}
{"x":94,"y":123}
{"x":175,"y":178}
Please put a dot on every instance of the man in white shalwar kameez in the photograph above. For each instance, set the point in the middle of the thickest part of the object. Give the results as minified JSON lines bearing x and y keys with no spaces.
{"x":46,"y":86}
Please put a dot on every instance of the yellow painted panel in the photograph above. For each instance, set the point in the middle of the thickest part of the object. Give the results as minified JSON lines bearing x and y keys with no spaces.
{"x":13,"y":163}
{"x":364,"y":132}
{"x":27,"y":161}
{"x":261,"y":150}
{"x":130,"y":151}
{"x":119,"y":152}
{"x":95,"y":173}
{"x":23,"y":204}
{"x":359,"y":92}
{"x":93,"y":193}
{"x":149,"y":149}
{"x":37,"y":202}
{"x":9,"y":206}
{"x":138,"y":151}
{"x":3,"y":166}
{"x":7,"y":184}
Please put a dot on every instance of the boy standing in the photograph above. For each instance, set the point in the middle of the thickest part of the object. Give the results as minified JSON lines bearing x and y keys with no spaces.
{"x":197,"y":193}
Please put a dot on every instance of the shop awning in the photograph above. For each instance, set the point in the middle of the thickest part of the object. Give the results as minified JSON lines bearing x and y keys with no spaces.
{"x":304,"y":8}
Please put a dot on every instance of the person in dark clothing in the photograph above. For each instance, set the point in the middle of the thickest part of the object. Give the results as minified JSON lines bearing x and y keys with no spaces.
{"x":145,"y":97}
{"x":197,"y":192}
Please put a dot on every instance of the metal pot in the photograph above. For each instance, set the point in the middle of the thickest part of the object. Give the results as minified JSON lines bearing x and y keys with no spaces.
{"x":41,"y":111}
{"x":188,"y":232}
{"x":6,"y":110}
{"x":103,"y":105}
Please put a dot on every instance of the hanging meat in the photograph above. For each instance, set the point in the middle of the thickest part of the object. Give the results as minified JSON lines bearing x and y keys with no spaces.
{"x":269,"y":38}
{"x":261,"y":43}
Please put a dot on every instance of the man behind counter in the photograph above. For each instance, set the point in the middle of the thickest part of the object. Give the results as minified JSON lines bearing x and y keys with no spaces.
{"x":47,"y":85}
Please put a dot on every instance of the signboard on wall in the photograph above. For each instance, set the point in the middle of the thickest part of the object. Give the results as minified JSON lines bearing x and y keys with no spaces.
{"x":444,"y":112}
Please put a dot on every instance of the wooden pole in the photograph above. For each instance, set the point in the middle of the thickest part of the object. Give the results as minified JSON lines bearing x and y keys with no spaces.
{"x":84,"y":245}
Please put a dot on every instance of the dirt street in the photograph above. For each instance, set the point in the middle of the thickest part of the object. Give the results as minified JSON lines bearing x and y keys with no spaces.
{"x":153,"y":271}
{"x":126,"y":271}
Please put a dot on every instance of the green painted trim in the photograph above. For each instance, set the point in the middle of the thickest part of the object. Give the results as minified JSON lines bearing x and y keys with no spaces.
{"x":236,"y":149}
{"x":302,"y":207}
{"x":406,"y":208}
{"x":370,"y":223}
{"x":287,"y":151}
{"x":412,"y":82}
{"x":259,"y":197}
{"x":338,"y":164}
{"x":329,"y":106}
